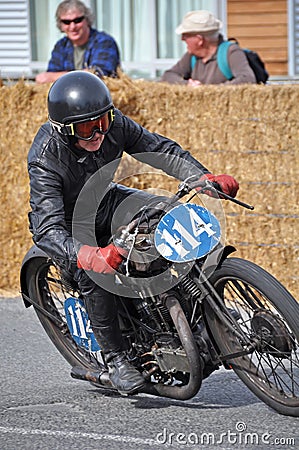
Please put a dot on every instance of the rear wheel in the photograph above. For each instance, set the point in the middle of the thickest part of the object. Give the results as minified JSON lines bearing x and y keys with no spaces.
{"x":267,"y":316}
{"x":49,"y":290}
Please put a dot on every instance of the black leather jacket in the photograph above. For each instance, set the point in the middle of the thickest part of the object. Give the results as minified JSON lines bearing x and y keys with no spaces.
{"x":58,"y":171}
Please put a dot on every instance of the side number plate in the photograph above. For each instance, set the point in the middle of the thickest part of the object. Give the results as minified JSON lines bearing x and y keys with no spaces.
{"x":79,"y":324}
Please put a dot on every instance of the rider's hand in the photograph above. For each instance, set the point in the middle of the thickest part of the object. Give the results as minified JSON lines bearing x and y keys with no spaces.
{"x":101,"y":260}
{"x":227,"y":184}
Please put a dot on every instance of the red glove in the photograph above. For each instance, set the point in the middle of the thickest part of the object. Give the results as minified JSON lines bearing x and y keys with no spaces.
{"x":227,"y":183}
{"x":101,"y":260}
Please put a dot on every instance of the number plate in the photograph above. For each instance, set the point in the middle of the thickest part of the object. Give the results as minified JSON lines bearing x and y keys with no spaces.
{"x":186,"y":233}
{"x":79,"y":324}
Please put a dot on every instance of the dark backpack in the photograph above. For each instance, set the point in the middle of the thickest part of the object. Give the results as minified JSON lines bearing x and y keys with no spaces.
{"x":255,"y":62}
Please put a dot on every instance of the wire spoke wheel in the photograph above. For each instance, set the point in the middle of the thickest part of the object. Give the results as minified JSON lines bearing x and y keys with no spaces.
{"x":50,"y":291}
{"x":266,"y":316}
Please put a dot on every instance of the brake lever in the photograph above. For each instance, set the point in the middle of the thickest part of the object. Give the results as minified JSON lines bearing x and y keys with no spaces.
{"x":234,"y":200}
{"x":214,"y":186}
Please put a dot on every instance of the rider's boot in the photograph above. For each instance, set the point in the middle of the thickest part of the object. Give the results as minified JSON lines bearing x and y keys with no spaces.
{"x":123,"y":376}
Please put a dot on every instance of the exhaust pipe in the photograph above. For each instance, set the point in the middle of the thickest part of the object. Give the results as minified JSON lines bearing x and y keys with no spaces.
{"x":100,"y":377}
{"x":189,"y":390}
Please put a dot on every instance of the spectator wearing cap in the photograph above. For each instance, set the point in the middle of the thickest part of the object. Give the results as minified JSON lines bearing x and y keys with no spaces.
{"x":200,"y":31}
{"x":82,"y":47}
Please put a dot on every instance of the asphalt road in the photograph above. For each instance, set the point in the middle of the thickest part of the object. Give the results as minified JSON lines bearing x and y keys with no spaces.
{"x":42,"y":407}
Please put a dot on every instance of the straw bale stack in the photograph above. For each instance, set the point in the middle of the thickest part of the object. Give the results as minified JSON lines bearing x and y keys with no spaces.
{"x":248,"y":131}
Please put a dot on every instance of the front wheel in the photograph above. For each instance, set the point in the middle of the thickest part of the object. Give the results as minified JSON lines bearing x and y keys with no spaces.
{"x":267,"y":316}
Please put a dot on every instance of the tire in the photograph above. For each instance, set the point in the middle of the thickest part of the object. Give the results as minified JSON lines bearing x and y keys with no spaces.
{"x":49,"y":291}
{"x":265,"y":314}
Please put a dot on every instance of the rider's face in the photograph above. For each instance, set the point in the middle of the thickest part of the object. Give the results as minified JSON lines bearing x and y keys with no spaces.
{"x":94,"y":144}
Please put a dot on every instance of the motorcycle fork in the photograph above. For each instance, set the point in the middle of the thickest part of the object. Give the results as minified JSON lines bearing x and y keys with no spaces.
{"x":211,"y":296}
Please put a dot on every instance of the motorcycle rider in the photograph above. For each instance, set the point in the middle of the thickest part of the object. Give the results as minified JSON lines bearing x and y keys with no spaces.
{"x":77,"y":149}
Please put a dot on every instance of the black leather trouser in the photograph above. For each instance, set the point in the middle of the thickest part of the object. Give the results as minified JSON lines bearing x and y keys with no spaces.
{"x":101,"y":304}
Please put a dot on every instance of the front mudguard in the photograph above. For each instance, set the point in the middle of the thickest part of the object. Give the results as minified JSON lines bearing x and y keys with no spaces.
{"x":215,"y":258}
{"x":33,"y":252}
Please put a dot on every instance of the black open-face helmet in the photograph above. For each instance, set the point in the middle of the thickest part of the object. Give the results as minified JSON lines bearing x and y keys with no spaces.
{"x":79,"y":105}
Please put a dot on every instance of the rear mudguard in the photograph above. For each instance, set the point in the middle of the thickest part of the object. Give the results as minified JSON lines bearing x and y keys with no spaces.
{"x":33,"y":252}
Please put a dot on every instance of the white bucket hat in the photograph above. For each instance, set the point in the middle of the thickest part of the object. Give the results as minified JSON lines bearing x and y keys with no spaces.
{"x":199,"y":22}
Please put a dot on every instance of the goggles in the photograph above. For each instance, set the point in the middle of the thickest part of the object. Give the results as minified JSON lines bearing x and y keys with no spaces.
{"x":86,"y":129}
{"x":76,"y":20}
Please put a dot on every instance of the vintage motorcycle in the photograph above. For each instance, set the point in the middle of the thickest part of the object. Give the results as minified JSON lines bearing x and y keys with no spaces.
{"x":191,"y":308}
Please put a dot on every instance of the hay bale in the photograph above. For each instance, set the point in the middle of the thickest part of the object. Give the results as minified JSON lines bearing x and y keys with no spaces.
{"x":257,"y":143}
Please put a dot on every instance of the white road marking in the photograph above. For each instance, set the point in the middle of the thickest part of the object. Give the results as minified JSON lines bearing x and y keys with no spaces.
{"x":77,"y":435}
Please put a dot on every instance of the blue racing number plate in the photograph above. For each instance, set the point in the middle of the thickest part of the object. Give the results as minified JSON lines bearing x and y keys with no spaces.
{"x":79,"y":324}
{"x":186,"y":233}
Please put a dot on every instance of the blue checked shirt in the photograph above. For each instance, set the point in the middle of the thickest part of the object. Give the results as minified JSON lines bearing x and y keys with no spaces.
{"x":101,"y":54}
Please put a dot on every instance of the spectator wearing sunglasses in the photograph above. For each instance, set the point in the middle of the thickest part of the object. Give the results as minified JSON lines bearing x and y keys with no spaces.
{"x":76,"y":203}
{"x":83,"y":47}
